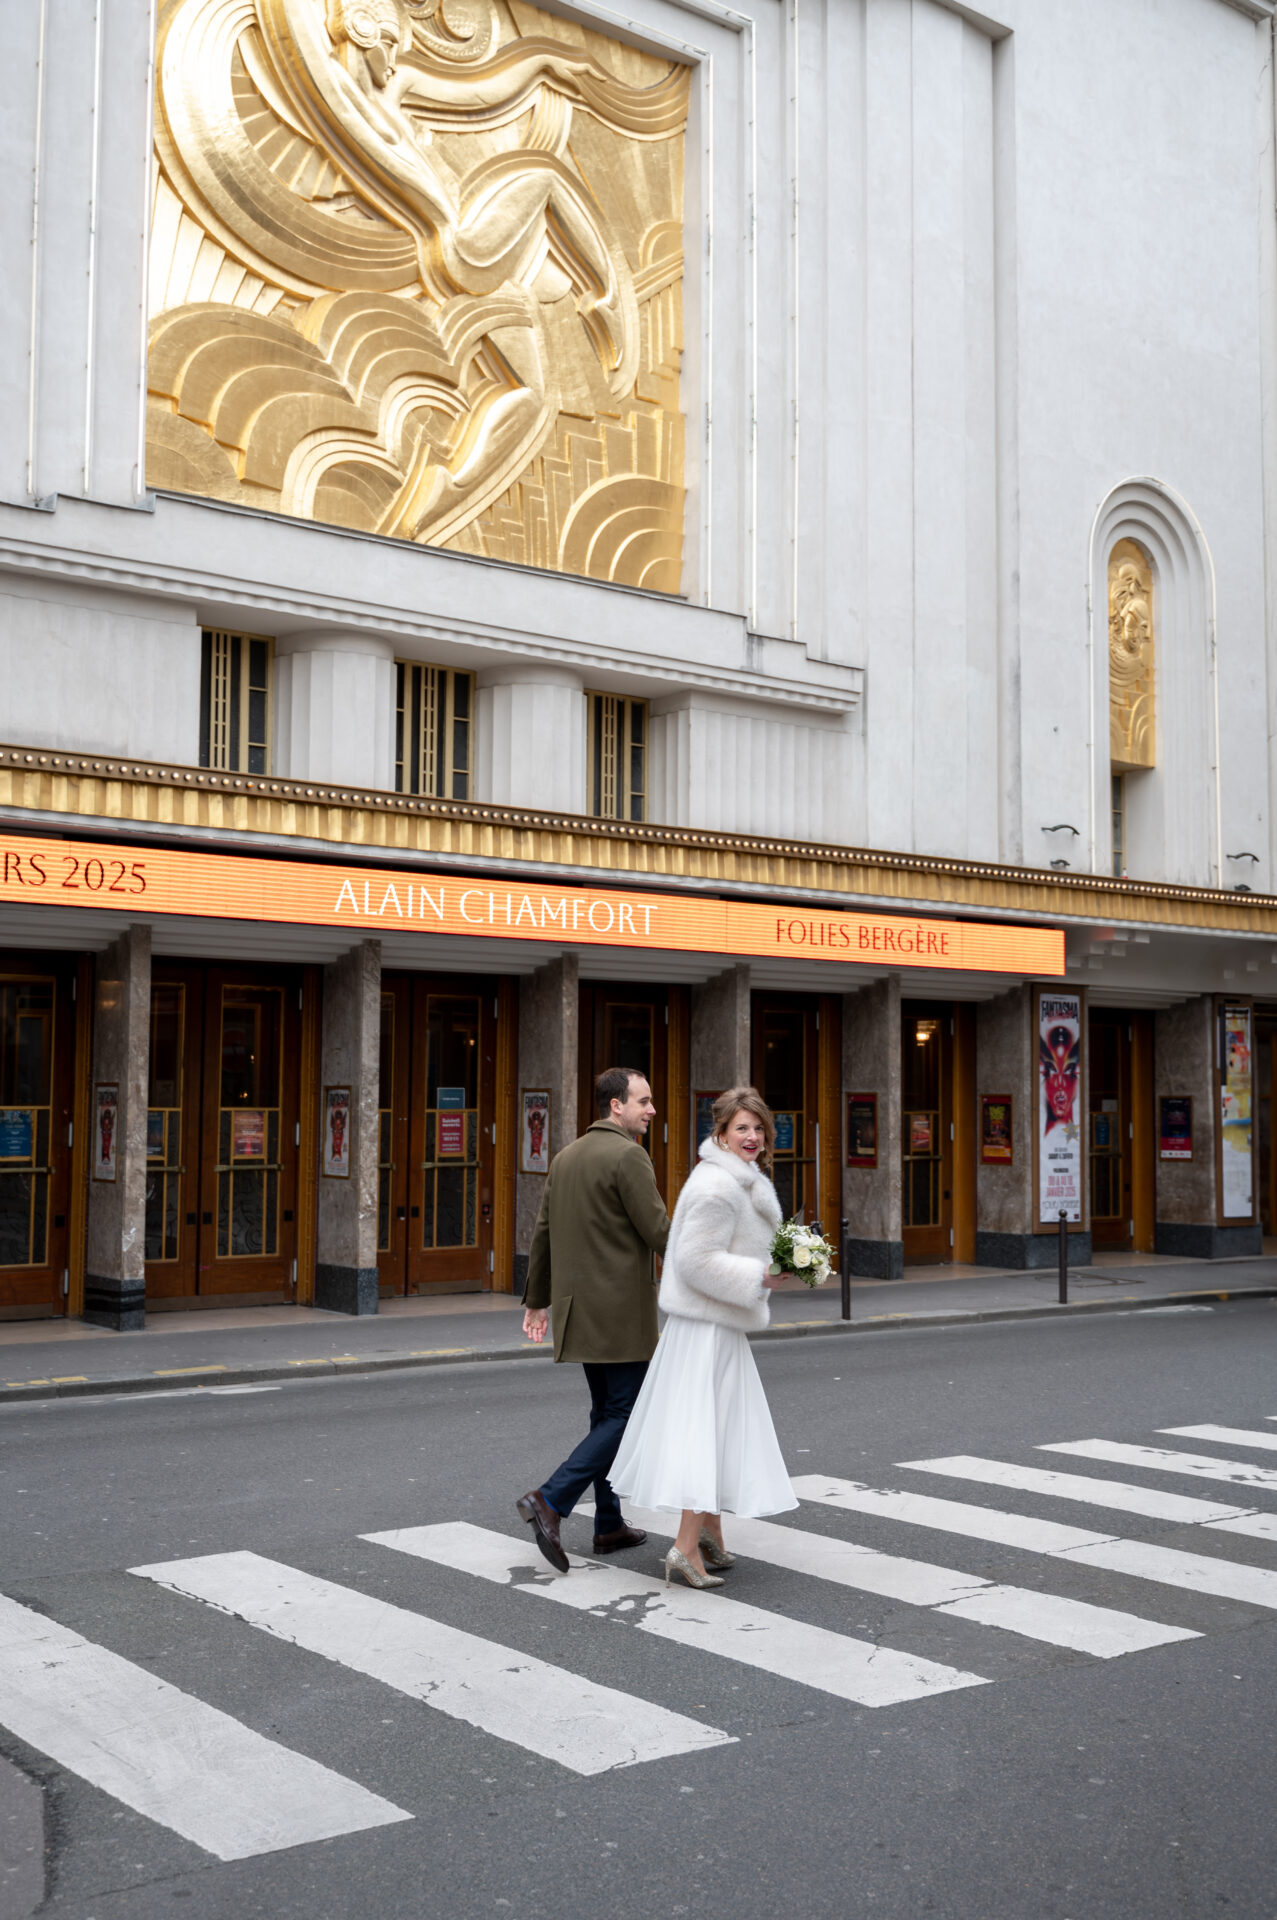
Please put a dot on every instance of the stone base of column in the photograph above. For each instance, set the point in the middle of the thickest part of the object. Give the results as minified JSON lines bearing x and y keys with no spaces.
{"x":346,"y":1289}
{"x":1196,"y":1240}
{"x":1029,"y":1252}
{"x":876,"y":1259}
{"x":118,"y":1304}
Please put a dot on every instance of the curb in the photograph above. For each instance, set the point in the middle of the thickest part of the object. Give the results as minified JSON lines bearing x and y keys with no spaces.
{"x":252,"y":1374}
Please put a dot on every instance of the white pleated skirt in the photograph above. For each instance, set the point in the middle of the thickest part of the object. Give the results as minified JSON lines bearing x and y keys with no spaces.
{"x":701,"y":1434}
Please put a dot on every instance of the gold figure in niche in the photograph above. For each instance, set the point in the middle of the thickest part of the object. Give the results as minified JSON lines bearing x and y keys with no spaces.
{"x":416,"y":269}
{"x":1132,"y":736}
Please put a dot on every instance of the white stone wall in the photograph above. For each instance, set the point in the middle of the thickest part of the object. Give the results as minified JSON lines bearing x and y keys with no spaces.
{"x":968,"y":288}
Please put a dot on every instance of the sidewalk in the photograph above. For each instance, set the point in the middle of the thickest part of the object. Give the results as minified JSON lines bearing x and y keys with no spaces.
{"x":43,"y":1358}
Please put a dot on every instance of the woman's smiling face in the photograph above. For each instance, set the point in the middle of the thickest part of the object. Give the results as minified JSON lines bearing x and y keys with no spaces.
{"x":744,"y":1135}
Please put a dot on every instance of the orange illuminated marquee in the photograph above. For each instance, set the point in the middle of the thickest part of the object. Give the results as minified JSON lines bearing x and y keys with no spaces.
{"x":232,"y":887}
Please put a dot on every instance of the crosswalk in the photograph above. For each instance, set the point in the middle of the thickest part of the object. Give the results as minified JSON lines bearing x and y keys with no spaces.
{"x":236,"y":1790}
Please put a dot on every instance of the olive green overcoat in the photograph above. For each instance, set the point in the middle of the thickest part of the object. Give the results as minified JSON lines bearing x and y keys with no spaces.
{"x":601,"y":1220}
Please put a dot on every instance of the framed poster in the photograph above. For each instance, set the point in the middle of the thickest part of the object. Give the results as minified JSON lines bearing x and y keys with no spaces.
{"x":703,"y":1109}
{"x":1059,"y":1140}
{"x":450,"y":1136}
{"x":785,"y":1131}
{"x":155,"y":1118}
{"x":921,"y":1133}
{"x":248,"y":1133}
{"x":862,"y":1129}
{"x":996,"y":1143}
{"x":106,"y":1113}
{"x":451,"y":1100}
{"x":17,"y":1133}
{"x":337,"y":1133}
{"x":534,"y":1143}
{"x":1236,"y":1137}
{"x":1175,"y":1126}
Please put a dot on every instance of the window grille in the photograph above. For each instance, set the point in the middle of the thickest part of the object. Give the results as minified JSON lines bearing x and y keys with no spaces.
{"x":1119,"y":824}
{"x":235,"y":701}
{"x":434,"y":751}
{"x":617,"y":757}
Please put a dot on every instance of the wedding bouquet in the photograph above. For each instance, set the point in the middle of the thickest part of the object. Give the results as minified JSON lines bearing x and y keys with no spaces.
{"x":801,"y":1250}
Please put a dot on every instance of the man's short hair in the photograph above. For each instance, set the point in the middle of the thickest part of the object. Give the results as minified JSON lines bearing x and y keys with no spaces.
{"x":614,"y":1084}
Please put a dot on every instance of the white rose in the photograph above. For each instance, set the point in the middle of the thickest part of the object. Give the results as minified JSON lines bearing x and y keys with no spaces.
{"x":802,"y":1257}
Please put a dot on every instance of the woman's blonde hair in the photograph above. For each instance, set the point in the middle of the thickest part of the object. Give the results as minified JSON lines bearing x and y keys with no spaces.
{"x":729,"y":1104}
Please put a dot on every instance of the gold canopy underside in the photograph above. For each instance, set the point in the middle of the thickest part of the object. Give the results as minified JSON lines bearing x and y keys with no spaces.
{"x":416,"y":269}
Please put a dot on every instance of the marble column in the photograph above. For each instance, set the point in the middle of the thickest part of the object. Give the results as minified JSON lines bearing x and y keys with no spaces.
{"x":871,"y":1196}
{"x":549,"y":1022}
{"x":335,"y":709}
{"x":1187,"y":1220}
{"x":115,"y":1235}
{"x":350,"y":1055}
{"x":720,"y":1032}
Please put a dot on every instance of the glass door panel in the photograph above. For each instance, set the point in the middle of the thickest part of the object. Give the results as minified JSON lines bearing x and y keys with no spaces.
{"x":926,"y":1071}
{"x":450,"y":1103}
{"x":248,"y":1163}
{"x":785,"y":1073}
{"x":37,"y":1048}
{"x":164,"y":1168}
{"x":1108,"y":1074}
{"x":26,"y":1120}
{"x":625,"y":1026}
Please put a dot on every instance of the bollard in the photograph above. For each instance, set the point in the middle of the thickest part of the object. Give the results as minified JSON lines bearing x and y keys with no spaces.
{"x":1064,"y":1257}
{"x":844,"y":1267}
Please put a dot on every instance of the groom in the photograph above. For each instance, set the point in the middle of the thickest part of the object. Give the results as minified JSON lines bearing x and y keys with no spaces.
{"x":601,"y":1220}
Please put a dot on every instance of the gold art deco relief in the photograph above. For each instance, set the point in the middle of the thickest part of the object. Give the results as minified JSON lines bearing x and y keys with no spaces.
{"x":1132,"y":735}
{"x":416,"y":269}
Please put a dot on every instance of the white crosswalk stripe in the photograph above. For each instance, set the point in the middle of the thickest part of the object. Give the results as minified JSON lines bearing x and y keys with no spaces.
{"x":1152,"y":1502}
{"x":835,"y":1663}
{"x":1048,"y":1617}
{"x":1169,"y":1566}
{"x":545,"y":1709}
{"x":1227,"y":1436}
{"x":167,"y":1755}
{"x":1195,"y":1466}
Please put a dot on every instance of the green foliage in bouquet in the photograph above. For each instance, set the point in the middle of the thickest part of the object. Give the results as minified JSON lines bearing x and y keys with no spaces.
{"x":801,"y":1250}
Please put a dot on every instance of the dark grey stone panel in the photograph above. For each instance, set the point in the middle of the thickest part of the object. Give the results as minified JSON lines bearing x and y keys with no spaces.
{"x":118,"y":1304}
{"x":1199,"y":1240}
{"x":1029,"y":1252}
{"x":520,"y":1274}
{"x":877,"y":1259}
{"x":346,"y":1289}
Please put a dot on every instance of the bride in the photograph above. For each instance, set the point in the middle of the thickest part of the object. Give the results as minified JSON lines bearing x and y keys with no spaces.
{"x":700,"y":1440}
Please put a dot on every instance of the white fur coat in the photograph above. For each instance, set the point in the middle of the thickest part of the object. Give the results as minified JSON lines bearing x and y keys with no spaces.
{"x":720,"y":1242}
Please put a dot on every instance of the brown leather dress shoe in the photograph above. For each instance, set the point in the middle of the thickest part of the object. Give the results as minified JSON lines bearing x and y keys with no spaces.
{"x":620,"y":1538}
{"x":544,"y":1521}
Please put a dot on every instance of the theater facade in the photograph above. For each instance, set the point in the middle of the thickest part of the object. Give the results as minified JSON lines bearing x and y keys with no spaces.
{"x":532,"y":541}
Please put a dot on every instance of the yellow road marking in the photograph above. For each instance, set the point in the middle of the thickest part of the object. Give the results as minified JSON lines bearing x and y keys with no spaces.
{"x":167,"y":1373}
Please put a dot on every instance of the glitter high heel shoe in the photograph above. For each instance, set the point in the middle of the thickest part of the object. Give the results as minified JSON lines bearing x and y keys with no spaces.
{"x":676,"y":1562}
{"x":712,"y":1554}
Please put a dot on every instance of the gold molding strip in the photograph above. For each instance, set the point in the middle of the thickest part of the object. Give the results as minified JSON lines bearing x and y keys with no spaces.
{"x":147,"y":793}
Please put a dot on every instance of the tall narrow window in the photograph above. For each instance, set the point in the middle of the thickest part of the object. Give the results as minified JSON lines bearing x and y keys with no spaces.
{"x":618,"y":757}
{"x":1132,"y":684}
{"x":1119,"y":824}
{"x":434,"y":751}
{"x":235,"y":701}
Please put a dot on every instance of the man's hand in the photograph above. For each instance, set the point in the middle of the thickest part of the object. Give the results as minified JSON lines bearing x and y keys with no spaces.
{"x":535,"y":1322}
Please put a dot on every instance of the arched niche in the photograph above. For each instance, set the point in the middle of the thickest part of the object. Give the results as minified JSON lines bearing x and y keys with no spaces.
{"x":1153,"y":707}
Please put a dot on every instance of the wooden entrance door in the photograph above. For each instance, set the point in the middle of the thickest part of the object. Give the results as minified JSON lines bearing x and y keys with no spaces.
{"x":222,"y":1134}
{"x":926,"y":1132}
{"x":37,"y":1050}
{"x":624,"y":1026}
{"x":786,"y":1062}
{"x":437,"y":1139}
{"x":1111,"y":1126}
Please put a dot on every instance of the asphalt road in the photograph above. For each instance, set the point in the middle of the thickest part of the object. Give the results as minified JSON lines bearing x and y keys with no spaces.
{"x":1066,"y":1786}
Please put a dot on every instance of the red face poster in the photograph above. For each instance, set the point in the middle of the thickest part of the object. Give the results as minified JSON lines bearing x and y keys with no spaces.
{"x":1059,"y":1098}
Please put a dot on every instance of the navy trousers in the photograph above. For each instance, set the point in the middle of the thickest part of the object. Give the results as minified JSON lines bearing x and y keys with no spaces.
{"x":613,"y":1390}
